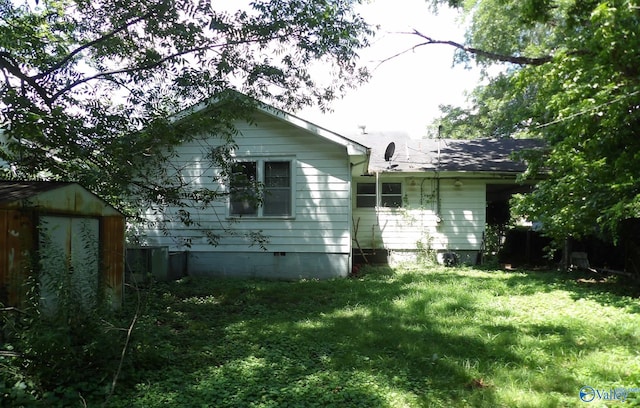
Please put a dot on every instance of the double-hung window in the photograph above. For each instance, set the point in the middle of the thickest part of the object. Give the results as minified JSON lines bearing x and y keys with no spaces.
{"x":366,"y":195}
{"x":277,"y":188}
{"x":389,"y":195}
{"x":244,"y":189}
{"x":261,"y":188}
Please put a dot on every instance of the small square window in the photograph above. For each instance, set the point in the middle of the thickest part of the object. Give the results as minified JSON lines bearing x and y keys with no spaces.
{"x":366,"y":195}
{"x":391,"y":195}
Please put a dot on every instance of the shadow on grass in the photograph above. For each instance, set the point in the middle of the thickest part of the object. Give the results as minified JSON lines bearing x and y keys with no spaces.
{"x":384,"y":339}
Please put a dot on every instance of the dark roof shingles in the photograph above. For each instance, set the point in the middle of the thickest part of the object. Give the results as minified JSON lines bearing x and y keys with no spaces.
{"x":415,"y":155}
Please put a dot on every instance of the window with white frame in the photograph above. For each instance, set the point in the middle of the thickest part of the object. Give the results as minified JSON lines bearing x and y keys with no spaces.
{"x":391,"y":195}
{"x":367,"y":195}
{"x":261,"y":188}
{"x":277,"y":188}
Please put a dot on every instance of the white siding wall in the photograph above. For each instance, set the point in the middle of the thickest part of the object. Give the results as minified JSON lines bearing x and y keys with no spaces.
{"x":320,"y":223}
{"x":462,"y":213}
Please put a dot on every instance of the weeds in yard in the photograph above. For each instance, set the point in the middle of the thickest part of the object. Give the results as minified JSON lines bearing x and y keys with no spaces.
{"x":61,"y":356}
{"x":391,"y":338}
{"x":411,"y":337}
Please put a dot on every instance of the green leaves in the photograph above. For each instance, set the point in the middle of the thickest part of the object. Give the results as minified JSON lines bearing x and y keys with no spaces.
{"x":86,"y":87}
{"x":410,"y":337}
{"x":584,"y":101}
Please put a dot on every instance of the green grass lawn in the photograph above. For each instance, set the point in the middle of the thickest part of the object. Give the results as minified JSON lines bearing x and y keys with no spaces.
{"x":423,"y":337}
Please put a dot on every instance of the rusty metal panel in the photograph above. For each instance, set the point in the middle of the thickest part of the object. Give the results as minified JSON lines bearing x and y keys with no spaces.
{"x":16,"y":244}
{"x":22,"y":203}
{"x":112,"y":255}
{"x":73,"y":199}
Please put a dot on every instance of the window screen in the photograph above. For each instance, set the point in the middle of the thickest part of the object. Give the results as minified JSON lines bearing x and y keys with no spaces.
{"x":277,"y":188}
{"x":243,"y":189}
{"x":272,"y":179}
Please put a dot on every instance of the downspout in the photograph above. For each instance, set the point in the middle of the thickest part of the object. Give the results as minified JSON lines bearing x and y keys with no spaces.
{"x":352,"y":221}
{"x":361,"y":162}
{"x":376,"y":209}
{"x":438,"y":203}
{"x":377,"y":188}
{"x":437,"y":176}
{"x":350,"y":217}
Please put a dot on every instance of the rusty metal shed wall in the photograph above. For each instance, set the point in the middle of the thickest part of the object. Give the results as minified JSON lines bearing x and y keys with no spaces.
{"x":21,"y":204}
{"x":112,"y":255}
{"x":16,"y":240}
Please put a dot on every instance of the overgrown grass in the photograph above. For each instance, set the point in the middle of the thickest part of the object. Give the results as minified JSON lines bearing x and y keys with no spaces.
{"x":393,"y":338}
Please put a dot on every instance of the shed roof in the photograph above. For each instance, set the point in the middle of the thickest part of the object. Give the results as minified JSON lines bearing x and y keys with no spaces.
{"x":416,"y":155}
{"x":21,"y":190}
{"x":54,"y":196}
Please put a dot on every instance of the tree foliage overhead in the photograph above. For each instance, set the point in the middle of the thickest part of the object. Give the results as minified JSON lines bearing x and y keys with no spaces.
{"x":571,"y":75}
{"x":87,"y":87}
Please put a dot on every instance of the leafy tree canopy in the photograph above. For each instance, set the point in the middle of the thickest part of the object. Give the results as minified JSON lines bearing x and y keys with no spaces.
{"x":571,"y":76}
{"x":87,"y":88}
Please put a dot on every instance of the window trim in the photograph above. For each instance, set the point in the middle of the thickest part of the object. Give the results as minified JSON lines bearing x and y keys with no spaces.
{"x":260,"y":178}
{"x":374,"y":195}
{"x":378,"y":194}
{"x":383,"y":194}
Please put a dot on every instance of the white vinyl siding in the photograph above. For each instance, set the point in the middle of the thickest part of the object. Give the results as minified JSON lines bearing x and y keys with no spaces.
{"x":459,"y":225}
{"x":368,"y":196}
{"x":320,"y":191}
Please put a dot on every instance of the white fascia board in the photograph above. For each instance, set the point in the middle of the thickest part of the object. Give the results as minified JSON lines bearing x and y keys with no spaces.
{"x":192,"y":110}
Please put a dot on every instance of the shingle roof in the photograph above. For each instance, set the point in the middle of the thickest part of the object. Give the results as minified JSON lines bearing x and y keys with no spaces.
{"x":415,"y":155}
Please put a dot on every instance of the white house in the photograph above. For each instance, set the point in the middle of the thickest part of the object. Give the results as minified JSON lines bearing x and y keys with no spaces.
{"x":305,"y":215}
{"x":328,"y":197}
{"x":433,"y":194}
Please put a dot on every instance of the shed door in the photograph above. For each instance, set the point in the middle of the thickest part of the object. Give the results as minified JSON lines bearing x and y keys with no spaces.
{"x":69,"y":259}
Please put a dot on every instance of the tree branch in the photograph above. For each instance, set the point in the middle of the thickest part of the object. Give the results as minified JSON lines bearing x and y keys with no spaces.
{"x":142,"y":67}
{"x":10,"y":65}
{"x":125,"y":347}
{"x":157,"y":63}
{"x":518,"y":60}
{"x":90,"y":44}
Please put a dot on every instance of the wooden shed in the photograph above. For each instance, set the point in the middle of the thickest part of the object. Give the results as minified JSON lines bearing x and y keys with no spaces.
{"x":52,"y":228}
